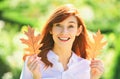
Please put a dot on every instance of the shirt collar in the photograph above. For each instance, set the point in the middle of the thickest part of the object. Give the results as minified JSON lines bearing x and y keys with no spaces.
{"x":53,"y":57}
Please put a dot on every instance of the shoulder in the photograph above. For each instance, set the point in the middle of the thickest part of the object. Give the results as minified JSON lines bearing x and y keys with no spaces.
{"x":83,"y":64}
{"x":78,"y":58}
{"x":86,"y":61}
{"x":81,"y":60}
{"x":80,"y":64}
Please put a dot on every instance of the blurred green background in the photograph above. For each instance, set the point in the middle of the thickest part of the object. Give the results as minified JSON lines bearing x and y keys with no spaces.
{"x":16,"y":14}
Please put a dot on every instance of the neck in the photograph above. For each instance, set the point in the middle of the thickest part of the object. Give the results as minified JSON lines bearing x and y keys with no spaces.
{"x":64,"y":54}
{"x":62,"y":51}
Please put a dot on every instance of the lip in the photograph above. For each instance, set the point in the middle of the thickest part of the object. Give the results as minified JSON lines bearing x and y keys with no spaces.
{"x":64,"y":39}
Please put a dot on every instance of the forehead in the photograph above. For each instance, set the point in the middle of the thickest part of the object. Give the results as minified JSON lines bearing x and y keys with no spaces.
{"x":70,"y":19}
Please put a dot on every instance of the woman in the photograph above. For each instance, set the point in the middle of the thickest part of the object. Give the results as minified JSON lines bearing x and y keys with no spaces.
{"x":63,"y":53}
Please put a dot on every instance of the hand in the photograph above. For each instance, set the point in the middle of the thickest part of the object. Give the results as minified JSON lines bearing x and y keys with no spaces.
{"x":34,"y":66}
{"x":97,"y":69}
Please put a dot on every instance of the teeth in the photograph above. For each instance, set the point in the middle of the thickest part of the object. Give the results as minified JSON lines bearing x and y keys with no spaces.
{"x":63,"y":38}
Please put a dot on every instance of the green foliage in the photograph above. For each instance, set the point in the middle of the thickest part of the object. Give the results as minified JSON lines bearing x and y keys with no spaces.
{"x":116,"y":68}
{"x":4,"y":67}
{"x":9,"y":54}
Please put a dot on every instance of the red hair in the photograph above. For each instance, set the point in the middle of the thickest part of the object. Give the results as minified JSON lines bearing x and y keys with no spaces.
{"x":60,"y":14}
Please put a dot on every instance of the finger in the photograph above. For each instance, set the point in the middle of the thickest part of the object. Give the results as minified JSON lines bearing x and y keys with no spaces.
{"x":31,"y":59}
{"x":97,"y":62}
{"x":35,"y":66}
{"x":93,"y":61}
{"x":32,"y":64}
{"x":98,"y":67}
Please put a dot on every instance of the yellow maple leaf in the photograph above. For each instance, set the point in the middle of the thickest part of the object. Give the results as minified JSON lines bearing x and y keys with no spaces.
{"x":33,"y":42}
{"x":95,"y":46}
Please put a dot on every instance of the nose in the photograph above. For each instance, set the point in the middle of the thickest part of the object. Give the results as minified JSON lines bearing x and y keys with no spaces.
{"x":64,"y":31}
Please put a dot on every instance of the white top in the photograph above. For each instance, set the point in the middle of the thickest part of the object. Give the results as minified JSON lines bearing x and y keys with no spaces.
{"x":78,"y":68}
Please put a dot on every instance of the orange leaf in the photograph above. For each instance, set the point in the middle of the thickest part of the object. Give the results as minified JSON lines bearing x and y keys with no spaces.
{"x":33,"y":42}
{"x":94,"y":50}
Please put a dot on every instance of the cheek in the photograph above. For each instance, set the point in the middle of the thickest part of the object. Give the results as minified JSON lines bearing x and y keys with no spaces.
{"x":56,"y":31}
{"x":73,"y":32}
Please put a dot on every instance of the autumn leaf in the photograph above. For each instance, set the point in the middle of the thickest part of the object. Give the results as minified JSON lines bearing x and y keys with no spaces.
{"x":96,"y":45}
{"x":33,"y":42}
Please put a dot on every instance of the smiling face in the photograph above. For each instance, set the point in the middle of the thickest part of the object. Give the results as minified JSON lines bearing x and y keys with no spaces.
{"x":64,"y":32}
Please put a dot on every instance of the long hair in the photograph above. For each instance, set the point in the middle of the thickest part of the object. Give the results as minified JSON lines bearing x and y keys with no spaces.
{"x":60,"y":14}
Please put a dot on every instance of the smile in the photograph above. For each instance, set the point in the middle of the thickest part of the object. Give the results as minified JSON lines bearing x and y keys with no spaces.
{"x":63,"y":39}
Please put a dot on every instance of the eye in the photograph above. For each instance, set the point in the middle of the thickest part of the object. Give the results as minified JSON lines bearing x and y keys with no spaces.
{"x":57,"y":25}
{"x":70,"y":26}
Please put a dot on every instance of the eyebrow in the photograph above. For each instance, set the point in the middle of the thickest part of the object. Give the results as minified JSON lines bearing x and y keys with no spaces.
{"x":71,"y":22}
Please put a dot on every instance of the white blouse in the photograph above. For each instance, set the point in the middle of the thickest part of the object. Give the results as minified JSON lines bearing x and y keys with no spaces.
{"x":78,"y":68}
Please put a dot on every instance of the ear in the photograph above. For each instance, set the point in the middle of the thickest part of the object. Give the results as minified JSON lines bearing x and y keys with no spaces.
{"x":79,"y":30}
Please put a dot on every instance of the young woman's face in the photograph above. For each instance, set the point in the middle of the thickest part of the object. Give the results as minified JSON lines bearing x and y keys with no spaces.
{"x":64,"y":33}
